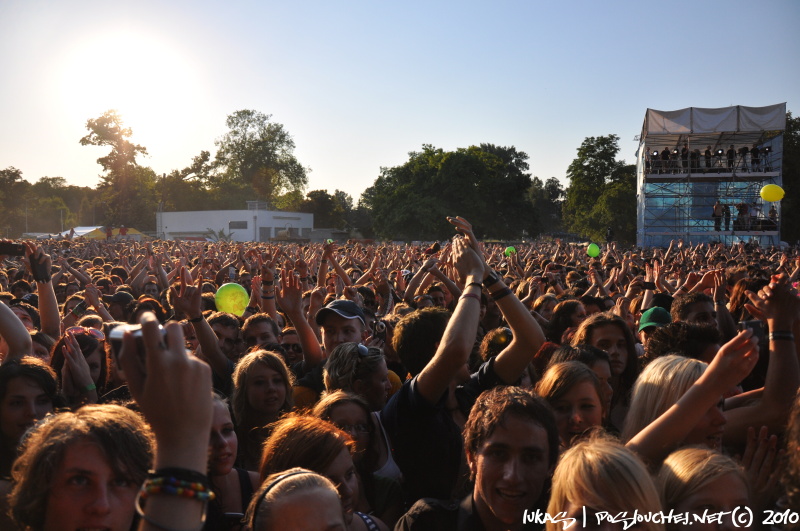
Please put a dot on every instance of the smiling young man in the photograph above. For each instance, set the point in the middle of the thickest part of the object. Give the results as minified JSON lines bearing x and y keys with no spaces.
{"x":511,"y":442}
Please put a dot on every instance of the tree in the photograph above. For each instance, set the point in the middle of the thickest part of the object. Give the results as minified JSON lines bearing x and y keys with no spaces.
{"x":790,"y":206}
{"x":328,"y":212}
{"x":117,"y":187}
{"x":546,"y":201}
{"x":188,"y":189}
{"x":257,"y":155}
{"x":13,"y":192}
{"x":601,"y":191}
{"x":487,"y":183}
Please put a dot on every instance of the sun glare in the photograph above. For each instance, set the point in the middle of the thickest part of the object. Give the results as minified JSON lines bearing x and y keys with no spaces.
{"x":152,"y":85}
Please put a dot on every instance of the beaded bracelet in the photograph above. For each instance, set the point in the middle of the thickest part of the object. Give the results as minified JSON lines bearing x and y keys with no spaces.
{"x":499,"y":294}
{"x":170,"y":485}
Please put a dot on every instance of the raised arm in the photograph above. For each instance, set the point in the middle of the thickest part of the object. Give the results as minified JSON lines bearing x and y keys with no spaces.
{"x":732,"y":364}
{"x":459,"y":336}
{"x":290,"y":297}
{"x":527,"y":334}
{"x":48,"y":305}
{"x":779,"y":305}
{"x":173,"y":391}
{"x":17,"y":339}
{"x":188,"y":301}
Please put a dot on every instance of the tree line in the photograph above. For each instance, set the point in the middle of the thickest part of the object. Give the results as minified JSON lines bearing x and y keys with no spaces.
{"x":255,"y":161}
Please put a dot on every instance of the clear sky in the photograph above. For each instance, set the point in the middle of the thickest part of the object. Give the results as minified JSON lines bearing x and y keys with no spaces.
{"x":360,"y":84}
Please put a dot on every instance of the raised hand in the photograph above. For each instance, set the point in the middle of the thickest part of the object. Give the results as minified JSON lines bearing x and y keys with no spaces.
{"x":173,"y":391}
{"x":290,"y":296}
{"x":187,"y":300}
{"x":734,"y":360}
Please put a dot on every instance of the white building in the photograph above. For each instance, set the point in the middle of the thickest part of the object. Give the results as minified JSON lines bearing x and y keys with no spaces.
{"x":254,"y":224}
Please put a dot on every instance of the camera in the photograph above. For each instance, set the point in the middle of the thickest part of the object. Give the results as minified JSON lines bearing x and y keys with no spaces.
{"x":379,"y":330}
{"x":115,"y":339}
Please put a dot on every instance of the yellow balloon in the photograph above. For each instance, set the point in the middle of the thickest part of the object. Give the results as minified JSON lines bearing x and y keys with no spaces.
{"x":772,"y":193}
{"x":232,"y":298}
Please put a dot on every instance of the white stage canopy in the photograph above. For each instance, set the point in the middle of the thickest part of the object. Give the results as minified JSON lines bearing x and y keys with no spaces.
{"x":698,"y":120}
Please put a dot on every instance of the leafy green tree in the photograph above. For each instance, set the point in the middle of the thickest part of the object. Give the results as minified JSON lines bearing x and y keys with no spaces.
{"x":13,"y":192}
{"x":188,"y":189}
{"x":327,"y":210}
{"x":256,"y":155}
{"x":546,"y":201}
{"x":790,"y":206}
{"x":118,"y":185}
{"x":487,"y":183}
{"x":291,"y":201}
{"x":601,"y":192}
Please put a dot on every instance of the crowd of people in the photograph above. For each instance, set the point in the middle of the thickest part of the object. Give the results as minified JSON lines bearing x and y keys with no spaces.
{"x":456,"y":385}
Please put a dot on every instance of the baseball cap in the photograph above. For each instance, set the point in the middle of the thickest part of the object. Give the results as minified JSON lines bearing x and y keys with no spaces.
{"x":120,"y":297}
{"x":656,"y":316}
{"x":342,"y":308}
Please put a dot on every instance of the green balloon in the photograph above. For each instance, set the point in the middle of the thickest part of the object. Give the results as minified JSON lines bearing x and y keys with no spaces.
{"x":232,"y":298}
{"x":593,"y":250}
{"x":510,"y":250}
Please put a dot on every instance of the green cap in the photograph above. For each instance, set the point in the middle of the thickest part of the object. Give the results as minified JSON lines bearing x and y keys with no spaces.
{"x":655,"y":316}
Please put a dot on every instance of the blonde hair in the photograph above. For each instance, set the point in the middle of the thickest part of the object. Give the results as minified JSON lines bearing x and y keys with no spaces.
{"x":278,"y":486}
{"x":658,"y":388}
{"x":349,"y":362}
{"x":602,"y":474}
{"x":689,"y":470}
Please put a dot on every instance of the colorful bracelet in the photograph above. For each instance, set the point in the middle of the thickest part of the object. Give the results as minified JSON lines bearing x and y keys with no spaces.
{"x":176,"y":487}
{"x":89,"y":388}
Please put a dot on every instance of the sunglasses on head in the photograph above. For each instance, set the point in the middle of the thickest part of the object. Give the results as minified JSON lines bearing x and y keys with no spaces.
{"x":86,"y":331}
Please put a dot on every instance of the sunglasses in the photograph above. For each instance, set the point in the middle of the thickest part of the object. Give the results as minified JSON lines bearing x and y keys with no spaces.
{"x":86,"y":331}
{"x":294,"y":347}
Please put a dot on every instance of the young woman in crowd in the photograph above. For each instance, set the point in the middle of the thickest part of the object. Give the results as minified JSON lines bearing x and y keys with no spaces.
{"x":610,"y":333}
{"x":597,"y":360}
{"x":233,"y":486}
{"x":573,"y":391}
{"x":599,"y":475}
{"x":350,"y":413}
{"x":317,"y":445}
{"x":694,"y":480}
{"x":262,"y":393}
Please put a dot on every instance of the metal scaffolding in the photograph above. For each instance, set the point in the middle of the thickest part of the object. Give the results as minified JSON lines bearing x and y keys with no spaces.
{"x":683,"y":170}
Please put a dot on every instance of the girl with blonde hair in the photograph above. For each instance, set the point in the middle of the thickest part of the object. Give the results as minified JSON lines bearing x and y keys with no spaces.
{"x":699,"y":479}
{"x":601,"y":475}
